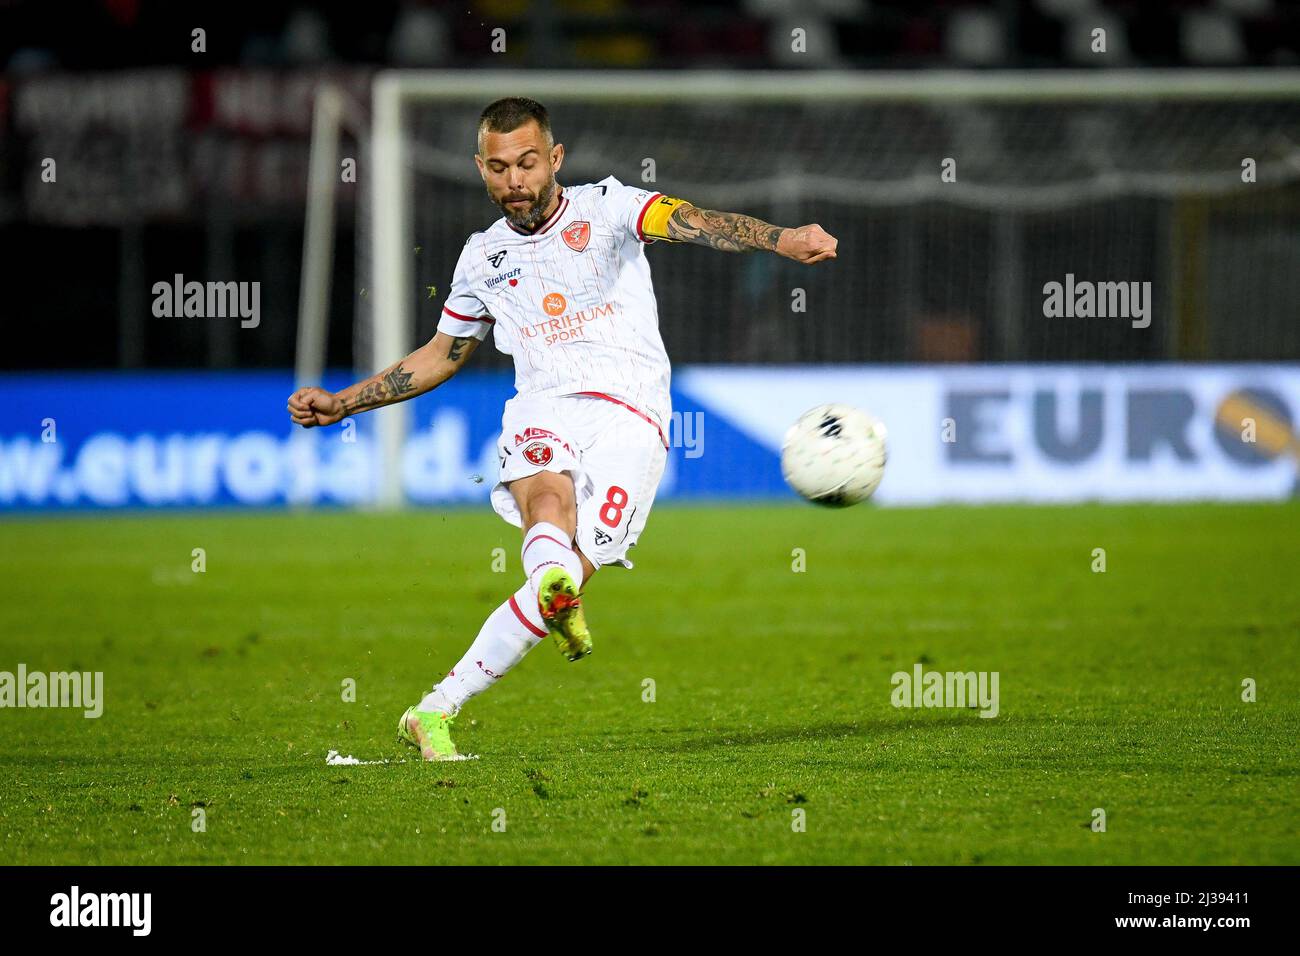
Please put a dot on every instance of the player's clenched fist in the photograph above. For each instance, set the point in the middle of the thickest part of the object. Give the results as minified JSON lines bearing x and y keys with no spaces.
{"x":309,"y":407}
{"x":807,"y":244}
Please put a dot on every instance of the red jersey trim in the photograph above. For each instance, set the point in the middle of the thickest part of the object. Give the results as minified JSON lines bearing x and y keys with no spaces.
{"x":635,"y":411}
{"x":641,"y":218}
{"x":555,"y":217}
{"x":469,"y":318}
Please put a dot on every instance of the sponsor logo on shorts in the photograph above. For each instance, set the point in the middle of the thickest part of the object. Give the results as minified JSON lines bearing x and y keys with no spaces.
{"x":531,"y":433}
{"x":554,"y":304}
{"x":539,"y":453}
{"x":577,"y":236}
{"x":602,"y":538}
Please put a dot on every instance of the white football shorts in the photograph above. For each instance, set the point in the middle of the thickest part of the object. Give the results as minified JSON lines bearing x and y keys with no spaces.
{"x":614,"y":454}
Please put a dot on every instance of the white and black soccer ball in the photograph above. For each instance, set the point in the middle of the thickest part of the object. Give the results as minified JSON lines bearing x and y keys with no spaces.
{"x":834,"y":455}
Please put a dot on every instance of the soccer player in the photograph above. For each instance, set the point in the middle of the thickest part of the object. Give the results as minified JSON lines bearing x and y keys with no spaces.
{"x":563,"y":283}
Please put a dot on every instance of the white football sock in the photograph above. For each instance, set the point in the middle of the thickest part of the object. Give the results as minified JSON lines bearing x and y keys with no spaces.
{"x":545,"y":547}
{"x":509,"y":633}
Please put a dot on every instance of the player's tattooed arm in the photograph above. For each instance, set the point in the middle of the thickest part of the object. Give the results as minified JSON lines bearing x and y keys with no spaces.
{"x":734,"y":232}
{"x":423,"y":370}
{"x":389,"y":386}
{"x":728,"y":231}
{"x":458,"y":347}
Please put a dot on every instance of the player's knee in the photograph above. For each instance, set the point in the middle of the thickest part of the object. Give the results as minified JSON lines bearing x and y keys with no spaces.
{"x":548,"y":506}
{"x":545,"y":497}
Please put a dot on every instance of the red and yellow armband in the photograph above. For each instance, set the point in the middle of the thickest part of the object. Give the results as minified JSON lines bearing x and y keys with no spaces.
{"x":653,"y":221}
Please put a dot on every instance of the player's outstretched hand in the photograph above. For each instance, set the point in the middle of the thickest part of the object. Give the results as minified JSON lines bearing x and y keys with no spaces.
{"x":313,"y":406}
{"x":807,"y":244}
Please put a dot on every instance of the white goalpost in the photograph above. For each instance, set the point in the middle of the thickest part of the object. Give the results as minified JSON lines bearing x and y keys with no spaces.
{"x":392,"y":190}
{"x":318,"y":236}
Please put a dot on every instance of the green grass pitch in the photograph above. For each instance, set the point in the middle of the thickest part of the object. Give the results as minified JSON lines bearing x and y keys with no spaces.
{"x":223,"y":690}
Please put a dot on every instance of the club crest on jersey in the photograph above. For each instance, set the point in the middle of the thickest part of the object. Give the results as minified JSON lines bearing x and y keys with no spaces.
{"x":577,"y":236}
{"x":497,"y":258}
{"x":538,"y":453}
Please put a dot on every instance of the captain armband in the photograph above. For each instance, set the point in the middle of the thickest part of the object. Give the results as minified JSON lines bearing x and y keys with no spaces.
{"x":653,"y":223}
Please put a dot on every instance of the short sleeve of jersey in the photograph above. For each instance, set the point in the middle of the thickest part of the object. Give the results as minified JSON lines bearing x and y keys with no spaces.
{"x":643,"y":213}
{"x":464,"y":315}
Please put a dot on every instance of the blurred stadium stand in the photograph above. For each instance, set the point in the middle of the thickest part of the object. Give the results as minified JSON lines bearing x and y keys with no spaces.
{"x":585,"y":34}
{"x":175,"y":162}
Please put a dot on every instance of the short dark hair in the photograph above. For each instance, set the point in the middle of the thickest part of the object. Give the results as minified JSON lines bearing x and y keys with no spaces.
{"x":508,"y":114}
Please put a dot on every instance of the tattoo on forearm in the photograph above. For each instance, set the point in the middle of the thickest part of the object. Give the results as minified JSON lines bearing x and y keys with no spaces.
{"x":389,"y":386}
{"x":728,"y":231}
{"x":457,"y":349}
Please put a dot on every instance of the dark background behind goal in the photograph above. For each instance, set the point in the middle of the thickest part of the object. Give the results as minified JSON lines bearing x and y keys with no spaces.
{"x":174,"y":161}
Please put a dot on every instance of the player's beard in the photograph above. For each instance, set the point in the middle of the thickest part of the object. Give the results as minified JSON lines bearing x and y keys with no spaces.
{"x":530,"y":217}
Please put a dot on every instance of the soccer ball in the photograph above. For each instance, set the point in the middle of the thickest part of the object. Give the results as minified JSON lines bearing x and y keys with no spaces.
{"x":834,"y":455}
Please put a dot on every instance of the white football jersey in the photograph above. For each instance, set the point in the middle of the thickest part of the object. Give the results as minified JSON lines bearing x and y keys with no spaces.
{"x":572,"y":302}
